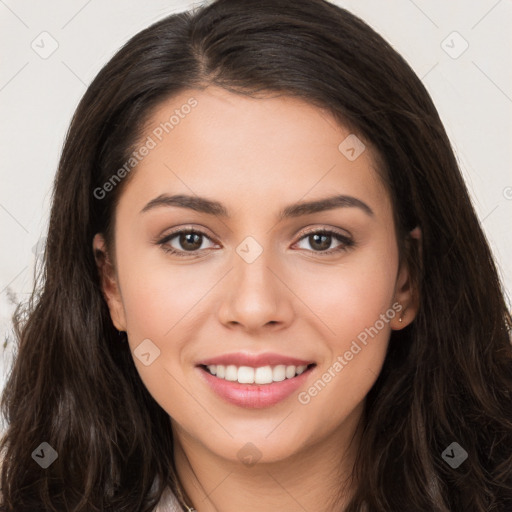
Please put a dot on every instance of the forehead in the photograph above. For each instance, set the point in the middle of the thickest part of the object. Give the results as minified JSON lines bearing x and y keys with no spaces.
{"x":214,"y":142}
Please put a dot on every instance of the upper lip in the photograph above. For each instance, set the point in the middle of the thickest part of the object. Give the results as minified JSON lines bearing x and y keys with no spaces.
{"x":254,"y":360}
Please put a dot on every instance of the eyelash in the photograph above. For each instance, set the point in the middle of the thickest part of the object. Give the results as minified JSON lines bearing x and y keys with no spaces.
{"x":346,"y":242}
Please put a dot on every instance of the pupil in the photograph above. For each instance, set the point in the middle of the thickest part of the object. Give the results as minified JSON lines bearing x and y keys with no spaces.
{"x":187,"y":241}
{"x":327,"y":241}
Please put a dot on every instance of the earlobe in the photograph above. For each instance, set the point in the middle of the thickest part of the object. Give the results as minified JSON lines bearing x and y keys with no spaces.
{"x":108,"y":282}
{"x":407,"y":293}
{"x":402,"y":319}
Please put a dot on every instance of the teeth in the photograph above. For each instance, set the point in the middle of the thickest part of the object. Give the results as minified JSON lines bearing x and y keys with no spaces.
{"x":260,"y":375}
{"x":245,"y":375}
{"x":290,"y":372}
{"x":279,"y":373}
{"x":231,"y":372}
{"x":300,"y":369}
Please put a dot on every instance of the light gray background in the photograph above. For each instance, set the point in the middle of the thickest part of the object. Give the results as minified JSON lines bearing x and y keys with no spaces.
{"x":472,"y":92}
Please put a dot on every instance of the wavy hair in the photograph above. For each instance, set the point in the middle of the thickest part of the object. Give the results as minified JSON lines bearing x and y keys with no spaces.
{"x":447,"y":377}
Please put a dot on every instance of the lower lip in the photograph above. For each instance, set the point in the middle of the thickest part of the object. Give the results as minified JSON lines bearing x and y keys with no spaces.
{"x":254,"y":396}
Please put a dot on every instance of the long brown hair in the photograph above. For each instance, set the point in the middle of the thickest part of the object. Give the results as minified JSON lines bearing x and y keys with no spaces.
{"x":446,"y":378}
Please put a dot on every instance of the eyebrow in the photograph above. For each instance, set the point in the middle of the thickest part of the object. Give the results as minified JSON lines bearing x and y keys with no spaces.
{"x":211,"y":207}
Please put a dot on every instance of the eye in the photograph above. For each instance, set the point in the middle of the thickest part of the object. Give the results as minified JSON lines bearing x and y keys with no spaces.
{"x":190,"y":241}
{"x":321,"y":239}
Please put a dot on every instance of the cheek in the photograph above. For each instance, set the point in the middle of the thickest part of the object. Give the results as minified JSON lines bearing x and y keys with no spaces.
{"x":157,"y":294}
{"x":354,"y":304}
{"x":159,"y":301}
{"x":351,"y":296}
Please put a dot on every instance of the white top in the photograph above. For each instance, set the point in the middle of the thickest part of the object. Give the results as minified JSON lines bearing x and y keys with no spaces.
{"x":168,"y":502}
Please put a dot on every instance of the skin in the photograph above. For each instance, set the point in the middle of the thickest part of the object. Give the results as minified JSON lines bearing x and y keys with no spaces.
{"x":256,"y":156}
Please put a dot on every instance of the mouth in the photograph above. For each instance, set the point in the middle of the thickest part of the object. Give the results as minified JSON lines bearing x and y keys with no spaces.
{"x":255,"y":387}
{"x":255,"y":381}
{"x":257,"y":376}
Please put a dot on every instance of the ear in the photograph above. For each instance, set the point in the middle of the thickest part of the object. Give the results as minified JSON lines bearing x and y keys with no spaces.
{"x":109,"y":282}
{"x":407,"y":293}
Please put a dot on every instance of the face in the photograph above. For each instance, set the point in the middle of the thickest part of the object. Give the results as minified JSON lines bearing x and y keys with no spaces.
{"x":239,"y":276}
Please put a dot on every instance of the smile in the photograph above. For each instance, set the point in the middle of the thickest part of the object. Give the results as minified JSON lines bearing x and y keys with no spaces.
{"x":255,"y":387}
{"x":260,"y":375}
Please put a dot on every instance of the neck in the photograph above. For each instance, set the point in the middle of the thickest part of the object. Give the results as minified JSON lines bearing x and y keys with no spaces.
{"x":318,"y":477}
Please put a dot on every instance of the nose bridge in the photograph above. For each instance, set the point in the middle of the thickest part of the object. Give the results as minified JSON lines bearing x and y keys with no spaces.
{"x":255,"y":296}
{"x":251,"y":273}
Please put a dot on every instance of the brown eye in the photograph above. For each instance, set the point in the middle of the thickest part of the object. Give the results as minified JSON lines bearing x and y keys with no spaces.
{"x":320,"y":241}
{"x":184,"y":242}
{"x":190,"y":241}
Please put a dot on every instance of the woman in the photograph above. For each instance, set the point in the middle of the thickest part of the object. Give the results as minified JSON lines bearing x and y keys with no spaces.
{"x":265,"y":286}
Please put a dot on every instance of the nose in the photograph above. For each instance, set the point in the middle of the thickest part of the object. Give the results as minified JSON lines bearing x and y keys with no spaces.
{"x":255,"y":295}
